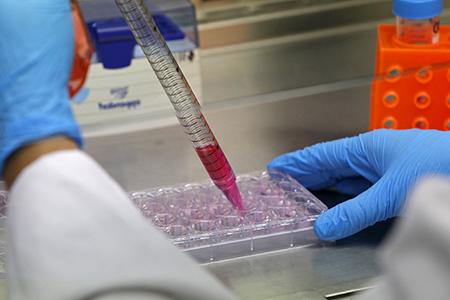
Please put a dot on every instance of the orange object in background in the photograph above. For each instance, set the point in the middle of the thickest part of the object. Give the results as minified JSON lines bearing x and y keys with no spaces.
{"x":83,"y":51}
{"x":411,"y":88}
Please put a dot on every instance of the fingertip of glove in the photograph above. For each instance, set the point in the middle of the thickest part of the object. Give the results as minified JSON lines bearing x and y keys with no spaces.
{"x":324,"y":228}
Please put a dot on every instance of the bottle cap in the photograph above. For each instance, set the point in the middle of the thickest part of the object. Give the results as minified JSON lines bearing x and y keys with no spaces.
{"x":417,"y":9}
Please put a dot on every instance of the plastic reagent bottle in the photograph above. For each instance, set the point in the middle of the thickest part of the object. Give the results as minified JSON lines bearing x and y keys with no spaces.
{"x":418,"y":21}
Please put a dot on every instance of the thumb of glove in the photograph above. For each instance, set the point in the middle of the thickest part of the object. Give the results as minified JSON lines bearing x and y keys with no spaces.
{"x":376,"y":204}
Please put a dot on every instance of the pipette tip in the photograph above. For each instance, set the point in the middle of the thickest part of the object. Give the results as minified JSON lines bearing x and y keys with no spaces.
{"x":234,"y":196}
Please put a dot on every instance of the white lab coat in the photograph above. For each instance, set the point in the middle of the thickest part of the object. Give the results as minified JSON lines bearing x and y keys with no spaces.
{"x":74,"y":234}
{"x":416,"y":257}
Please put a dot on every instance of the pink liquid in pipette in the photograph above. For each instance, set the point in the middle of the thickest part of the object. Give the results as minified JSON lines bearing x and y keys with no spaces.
{"x":219,"y":169}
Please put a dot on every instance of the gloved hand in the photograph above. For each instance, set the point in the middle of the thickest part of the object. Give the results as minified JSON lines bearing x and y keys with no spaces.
{"x":36,"y":54}
{"x":381,"y":165}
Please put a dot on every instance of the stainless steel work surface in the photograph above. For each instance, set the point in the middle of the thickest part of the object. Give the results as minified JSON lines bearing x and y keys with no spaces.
{"x":251,"y":133}
{"x":257,"y":20}
{"x":330,"y":41}
{"x":308,"y":273}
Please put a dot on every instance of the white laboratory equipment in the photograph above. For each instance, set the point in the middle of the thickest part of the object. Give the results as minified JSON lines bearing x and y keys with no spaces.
{"x":120,"y":94}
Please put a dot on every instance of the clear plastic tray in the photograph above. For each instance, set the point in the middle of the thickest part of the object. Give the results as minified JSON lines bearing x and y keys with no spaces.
{"x":199,"y":219}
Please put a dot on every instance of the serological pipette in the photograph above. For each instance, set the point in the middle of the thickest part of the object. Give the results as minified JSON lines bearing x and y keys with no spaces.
{"x":186,"y":105}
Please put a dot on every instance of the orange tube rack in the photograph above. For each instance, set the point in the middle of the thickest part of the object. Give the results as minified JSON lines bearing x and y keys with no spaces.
{"x":411,"y":88}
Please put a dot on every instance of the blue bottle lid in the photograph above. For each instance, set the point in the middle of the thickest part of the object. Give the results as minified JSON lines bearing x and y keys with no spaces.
{"x":417,"y":9}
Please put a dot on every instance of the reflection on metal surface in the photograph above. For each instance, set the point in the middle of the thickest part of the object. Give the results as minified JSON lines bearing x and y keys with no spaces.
{"x":307,"y":273}
{"x":148,"y":158}
{"x":290,"y":62}
{"x":281,"y":18}
{"x":351,"y":292}
{"x":287,"y":65}
{"x":217,"y":11}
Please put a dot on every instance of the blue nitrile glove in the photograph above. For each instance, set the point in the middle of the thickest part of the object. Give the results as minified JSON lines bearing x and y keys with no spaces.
{"x":36,"y":54}
{"x":381,"y":165}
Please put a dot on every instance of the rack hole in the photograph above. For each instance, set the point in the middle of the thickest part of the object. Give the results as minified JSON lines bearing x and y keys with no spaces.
{"x":394,"y":73}
{"x":424,"y":75}
{"x":421,"y":123}
{"x":390,"y":99}
{"x":389,"y":123}
{"x":422,"y":100}
{"x":447,"y":124}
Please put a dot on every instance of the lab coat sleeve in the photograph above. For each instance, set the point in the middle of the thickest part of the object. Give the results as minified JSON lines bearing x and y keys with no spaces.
{"x":416,"y":258}
{"x":74,"y":234}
